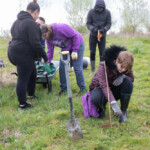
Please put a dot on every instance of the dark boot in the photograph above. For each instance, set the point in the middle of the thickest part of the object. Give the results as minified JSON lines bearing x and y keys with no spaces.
{"x":101,"y":112}
{"x":124,"y":100}
{"x":62,"y":92}
{"x":92,"y":68}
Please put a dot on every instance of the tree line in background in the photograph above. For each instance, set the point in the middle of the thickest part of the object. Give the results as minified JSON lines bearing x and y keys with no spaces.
{"x":134,"y":14}
{"x":128,"y":16}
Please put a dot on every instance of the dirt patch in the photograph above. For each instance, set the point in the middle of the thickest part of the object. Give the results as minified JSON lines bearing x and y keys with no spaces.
{"x":146,"y":123}
{"x":7,"y":134}
{"x":8,"y":79}
{"x":105,"y":126}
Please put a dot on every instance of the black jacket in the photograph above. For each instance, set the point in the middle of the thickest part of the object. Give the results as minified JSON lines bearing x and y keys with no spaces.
{"x":99,"y":20}
{"x":26,"y":39}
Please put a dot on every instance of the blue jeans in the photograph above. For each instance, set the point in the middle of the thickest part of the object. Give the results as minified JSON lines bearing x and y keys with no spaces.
{"x":78,"y":69}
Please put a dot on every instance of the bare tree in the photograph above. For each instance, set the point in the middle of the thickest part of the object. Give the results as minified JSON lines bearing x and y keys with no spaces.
{"x":77,"y":12}
{"x":133,"y":15}
{"x":146,"y":20}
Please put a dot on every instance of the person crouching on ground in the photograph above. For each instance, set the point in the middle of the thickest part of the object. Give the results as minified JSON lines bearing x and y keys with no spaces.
{"x":68,"y":39}
{"x":119,"y":63}
{"x":23,"y":50}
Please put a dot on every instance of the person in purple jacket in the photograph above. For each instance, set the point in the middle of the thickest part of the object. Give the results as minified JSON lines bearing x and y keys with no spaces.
{"x":68,"y":39}
{"x":119,"y":63}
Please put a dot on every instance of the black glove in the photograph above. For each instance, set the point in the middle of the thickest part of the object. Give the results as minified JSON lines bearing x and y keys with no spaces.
{"x":119,"y":80}
{"x":95,"y":30}
{"x":116,"y":109}
{"x":101,"y":31}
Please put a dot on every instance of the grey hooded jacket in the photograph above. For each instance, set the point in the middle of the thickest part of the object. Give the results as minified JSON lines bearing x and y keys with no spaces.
{"x":99,"y":20}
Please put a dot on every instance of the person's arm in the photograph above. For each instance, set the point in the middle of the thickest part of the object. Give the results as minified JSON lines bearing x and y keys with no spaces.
{"x":103,"y":86}
{"x":108,"y":22}
{"x":43,"y":44}
{"x":35,"y":41}
{"x":130,"y":76}
{"x":68,"y":32}
{"x":50,"y":50}
{"x":89,"y":22}
{"x":102,"y":82}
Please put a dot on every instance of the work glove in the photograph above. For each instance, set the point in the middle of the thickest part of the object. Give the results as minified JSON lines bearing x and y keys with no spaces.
{"x":74,"y":56}
{"x":116,"y":109}
{"x":119,"y":80}
{"x":101,"y":31}
{"x":47,"y":62}
{"x":95,"y":30}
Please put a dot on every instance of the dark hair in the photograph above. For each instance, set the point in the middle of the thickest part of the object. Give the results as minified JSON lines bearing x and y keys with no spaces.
{"x":41,"y":18}
{"x":44,"y":28}
{"x":47,"y":28}
{"x":33,"y":6}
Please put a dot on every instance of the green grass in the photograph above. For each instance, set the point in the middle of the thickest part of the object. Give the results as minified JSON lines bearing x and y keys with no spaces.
{"x":44,"y":126}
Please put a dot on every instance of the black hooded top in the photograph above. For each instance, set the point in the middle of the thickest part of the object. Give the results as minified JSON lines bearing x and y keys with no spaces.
{"x":99,"y":20}
{"x":26,"y":39}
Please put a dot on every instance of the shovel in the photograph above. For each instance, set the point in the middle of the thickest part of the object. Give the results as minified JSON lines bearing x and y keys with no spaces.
{"x":73,"y":125}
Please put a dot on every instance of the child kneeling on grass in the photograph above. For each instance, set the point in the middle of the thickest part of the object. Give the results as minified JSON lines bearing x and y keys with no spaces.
{"x":119,"y":63}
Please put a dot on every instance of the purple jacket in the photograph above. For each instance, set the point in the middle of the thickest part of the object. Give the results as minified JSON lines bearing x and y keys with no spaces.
{"x":99,"y":80}
{"x":89,"y":110}
{"x":64,"y":37}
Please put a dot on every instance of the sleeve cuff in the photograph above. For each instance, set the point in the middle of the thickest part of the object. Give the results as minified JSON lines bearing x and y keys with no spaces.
{"x":46,"y":59}
{"x":113,"y":102}
{"x":75,"y":50}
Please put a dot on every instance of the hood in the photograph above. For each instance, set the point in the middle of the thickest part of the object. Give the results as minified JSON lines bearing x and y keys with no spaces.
{"x":99,"y":4}
{"x":111,"y":54}
{"x":23,"y":15}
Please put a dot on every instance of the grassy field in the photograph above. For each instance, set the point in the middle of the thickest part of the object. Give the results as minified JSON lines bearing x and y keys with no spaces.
{"x":44,"y":126}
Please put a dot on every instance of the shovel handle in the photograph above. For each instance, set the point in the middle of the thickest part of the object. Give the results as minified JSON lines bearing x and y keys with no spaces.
{"x":66,"y":64}
{"x":71,"y":108}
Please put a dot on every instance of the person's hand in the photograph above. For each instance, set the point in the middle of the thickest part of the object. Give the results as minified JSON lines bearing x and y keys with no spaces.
{"x":95,"y":30}
{"x":46,"y":61}
{"x":116,"y":109}
{"x":74,"y":56}
{"x":101,"y":31}
{"x":119,"y":80}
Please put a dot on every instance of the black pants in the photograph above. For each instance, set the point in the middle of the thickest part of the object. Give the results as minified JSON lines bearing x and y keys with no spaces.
{"x":93,"y":43}
{"x":26,"y":75}
{"x":26,"y":81}
{"x":125,"y":89}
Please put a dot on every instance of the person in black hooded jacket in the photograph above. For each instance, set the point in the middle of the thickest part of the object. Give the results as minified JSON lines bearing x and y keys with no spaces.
{"x":23,"y":50}
{"x":98,"y":19}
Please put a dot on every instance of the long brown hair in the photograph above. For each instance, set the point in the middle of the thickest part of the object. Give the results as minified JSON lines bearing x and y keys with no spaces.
{"x":47,"y":28}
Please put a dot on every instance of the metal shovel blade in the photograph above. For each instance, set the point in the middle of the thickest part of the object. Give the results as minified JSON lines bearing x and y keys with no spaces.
{"x":74,"y":129}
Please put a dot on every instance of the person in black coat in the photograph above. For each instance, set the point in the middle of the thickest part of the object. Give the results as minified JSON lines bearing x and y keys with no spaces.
{"x":23,"y":50}
{"x":98,"y":19}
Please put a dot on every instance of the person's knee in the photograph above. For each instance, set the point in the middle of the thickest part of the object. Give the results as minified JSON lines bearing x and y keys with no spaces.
{"x":127,"y":86}
{"x":97,"y":97}
{"x":94,"y":100}
{"x":78,"y":69}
